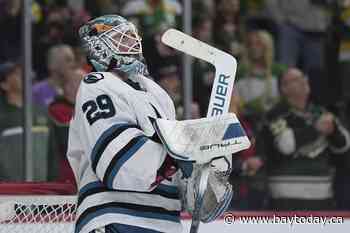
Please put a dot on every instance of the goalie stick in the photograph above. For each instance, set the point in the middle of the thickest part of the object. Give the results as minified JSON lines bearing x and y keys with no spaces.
{"x":225,"y":67}
{"x":220,"y":98}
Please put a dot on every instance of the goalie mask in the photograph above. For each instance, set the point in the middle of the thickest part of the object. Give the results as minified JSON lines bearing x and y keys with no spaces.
{"x":112,"y":43}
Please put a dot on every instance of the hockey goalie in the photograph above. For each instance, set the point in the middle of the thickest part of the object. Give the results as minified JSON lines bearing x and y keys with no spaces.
{"x":137,"y":167}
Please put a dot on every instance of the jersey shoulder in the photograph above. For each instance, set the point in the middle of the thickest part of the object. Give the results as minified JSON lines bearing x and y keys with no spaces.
{"x":105,"y":82}
{"x":97,"y":84}
{"x":162,"y":96}
{"x":96,"y":79}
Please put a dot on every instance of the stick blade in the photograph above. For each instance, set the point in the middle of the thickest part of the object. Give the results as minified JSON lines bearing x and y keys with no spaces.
{"x":189,"y":45}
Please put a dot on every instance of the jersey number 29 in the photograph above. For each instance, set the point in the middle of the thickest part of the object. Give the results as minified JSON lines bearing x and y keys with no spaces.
{"x":101,"y":108}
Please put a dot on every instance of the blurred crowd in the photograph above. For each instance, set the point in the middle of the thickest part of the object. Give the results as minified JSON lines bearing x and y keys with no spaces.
{"x":290,"y":91}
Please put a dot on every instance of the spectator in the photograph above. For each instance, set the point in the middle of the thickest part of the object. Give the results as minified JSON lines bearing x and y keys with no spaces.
{"x":61,"y":60}
{"x":258,"y":85}
{"x":228,"y":29}
{"x":203,"y":72}
{"x":158,"y":54}
{"x":344,"y":50}
{"x":152,"y":15}
{"x":342,"y":33}
{"x":11,"y":130}
{"x":253,"y":8}
{"x":302,"y":27}
{"x":256,"y":16}
{"x":341,"y":187}
{"x":101,"y":7}
{"x":299,"y":138}
{"x":10,"y":21}
{"x":168,"y":78}
{"x":58,"y":28}
{"x":60,"y":113}
{"x":11,"y":98}
{"x":204,"y":7}
{"x":248,"y":174}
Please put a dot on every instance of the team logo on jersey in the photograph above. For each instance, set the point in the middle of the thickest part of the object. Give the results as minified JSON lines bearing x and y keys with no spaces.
{"x":93,"y":78}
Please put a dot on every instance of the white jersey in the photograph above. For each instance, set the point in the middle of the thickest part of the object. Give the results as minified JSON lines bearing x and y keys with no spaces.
{"x":114,"y":158}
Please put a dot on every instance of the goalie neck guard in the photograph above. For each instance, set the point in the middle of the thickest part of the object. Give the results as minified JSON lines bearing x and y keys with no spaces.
{"x":112,"y":43}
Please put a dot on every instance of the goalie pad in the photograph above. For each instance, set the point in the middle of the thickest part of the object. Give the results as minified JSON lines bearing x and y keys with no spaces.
{"x":202,"y":140}
{"x":217,"y":196}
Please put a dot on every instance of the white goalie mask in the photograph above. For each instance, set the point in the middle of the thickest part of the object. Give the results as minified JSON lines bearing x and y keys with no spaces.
{"x":112,"y":42}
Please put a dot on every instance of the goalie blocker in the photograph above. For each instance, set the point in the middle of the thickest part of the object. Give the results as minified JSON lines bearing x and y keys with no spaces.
{"x":202,"y":140}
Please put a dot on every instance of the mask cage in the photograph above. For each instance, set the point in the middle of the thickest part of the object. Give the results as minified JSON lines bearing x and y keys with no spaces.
{"x":123,"y":39}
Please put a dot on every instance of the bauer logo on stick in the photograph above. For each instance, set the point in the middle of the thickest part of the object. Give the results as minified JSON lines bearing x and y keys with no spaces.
{"x":220,"y":95}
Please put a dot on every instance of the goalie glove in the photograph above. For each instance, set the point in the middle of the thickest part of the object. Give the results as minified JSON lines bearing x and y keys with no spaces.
{"x":217,"y":196}
{"x":222,"y":166}
{"x":219,"y":193}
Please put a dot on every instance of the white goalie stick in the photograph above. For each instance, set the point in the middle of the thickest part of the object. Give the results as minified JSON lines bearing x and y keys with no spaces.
{"x":225,"y":67}
{"x":220,"y":98}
